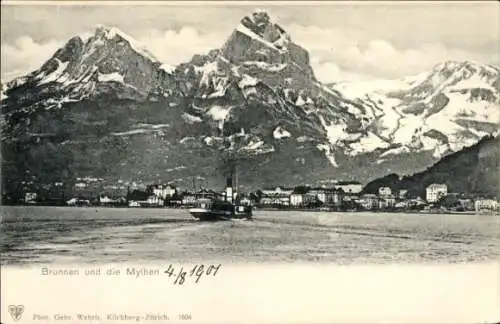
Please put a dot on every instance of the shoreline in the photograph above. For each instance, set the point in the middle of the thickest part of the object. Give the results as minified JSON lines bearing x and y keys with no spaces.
{"x":422,"y":212}
{"x":433,"y":212}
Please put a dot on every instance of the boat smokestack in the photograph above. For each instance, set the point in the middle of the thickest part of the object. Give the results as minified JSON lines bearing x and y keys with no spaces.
{"x":229,"y":189}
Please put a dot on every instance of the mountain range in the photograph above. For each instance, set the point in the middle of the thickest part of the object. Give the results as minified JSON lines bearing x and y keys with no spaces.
{"x":106,"y":107}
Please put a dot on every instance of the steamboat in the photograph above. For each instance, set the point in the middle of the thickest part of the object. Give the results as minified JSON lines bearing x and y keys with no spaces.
{"x":214,"y":209}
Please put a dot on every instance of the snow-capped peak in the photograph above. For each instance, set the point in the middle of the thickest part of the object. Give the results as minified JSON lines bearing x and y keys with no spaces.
{"x":260,"y":17}
{"x":110,"y":33}
{"x":456,"y":74}
{"x":259,"y":26}
{"x":452,"y":105}
{"x":167,"y":68}
{"x":109,"y":60}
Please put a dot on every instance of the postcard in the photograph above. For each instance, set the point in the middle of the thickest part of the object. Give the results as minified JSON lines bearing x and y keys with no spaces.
{"x":250,"y":162}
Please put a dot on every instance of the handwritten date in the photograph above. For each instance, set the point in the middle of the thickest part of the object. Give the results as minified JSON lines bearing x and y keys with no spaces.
{"x":195,"y":272}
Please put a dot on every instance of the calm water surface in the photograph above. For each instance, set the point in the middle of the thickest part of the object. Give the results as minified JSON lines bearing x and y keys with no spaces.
{"x":107,"y":235}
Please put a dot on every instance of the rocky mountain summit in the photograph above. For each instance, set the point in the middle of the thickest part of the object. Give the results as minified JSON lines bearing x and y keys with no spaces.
{"x":106,"y":107}
{"x":450,"y":107}
{"x":79,"y":70}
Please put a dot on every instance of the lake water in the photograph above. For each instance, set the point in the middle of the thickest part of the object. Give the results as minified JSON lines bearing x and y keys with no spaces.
{"x":59,"y":235}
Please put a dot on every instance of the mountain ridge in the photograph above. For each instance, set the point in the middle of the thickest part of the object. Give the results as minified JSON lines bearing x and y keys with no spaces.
{"x":475,"y":172}
{"x":106,"y":107}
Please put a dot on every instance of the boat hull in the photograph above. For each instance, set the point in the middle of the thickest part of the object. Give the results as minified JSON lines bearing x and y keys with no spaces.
{"x":204,"y":214}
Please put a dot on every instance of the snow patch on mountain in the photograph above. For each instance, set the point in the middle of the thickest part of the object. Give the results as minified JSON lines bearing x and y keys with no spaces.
{"x":110,"y":77}
{"x":58,"y":73}
{"x":475,"y":81}
{"x":132,"y":132}
{"x":254,"y":145}
{"x":184,"y":140}
{"x":219,"y":114}
{"x":440,"y":150}
{"x":58,"y":102}
{"x":328,"y":153}
{"x":181,"y":167}
{"x":396,"y":151}
{"x":263,"y":149}
{"x":407,"y":129}
{"x":478,"y":110}
{"x":304,"y":139}
{"x":266,"y":66}
{"x":167,"y":68}
{"x":220,"y":87}
{"x":247,"y":81}
{"x":368,"y":143}
{"x":334,"y":131}
{"x":190,"y":119}
{"x":207,"y":71}
{"x":208,"y":140}
{"x":280,"y":133}
{"x":429,"y":143}
{"x":300,"y":101}
{"x":153,"y":126}
{"x":244,"y":30}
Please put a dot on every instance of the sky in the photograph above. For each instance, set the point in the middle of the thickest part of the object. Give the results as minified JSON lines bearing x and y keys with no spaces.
{"x":355,"y":41}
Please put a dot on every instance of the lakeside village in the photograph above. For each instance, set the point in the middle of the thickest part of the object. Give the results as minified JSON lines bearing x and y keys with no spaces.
{"x":339,"y":196}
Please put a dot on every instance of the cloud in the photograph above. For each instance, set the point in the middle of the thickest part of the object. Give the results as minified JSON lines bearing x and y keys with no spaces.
{"x":174,"y":47}
{"x":169,"y":46}
{"x":25,"y":55}
{"x":349,"y":55}
{"x":337,"y":54}
{"x":330,"y":72}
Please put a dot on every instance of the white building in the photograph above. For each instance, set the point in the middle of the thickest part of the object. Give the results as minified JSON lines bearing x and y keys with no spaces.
{"x":280,"y":200}
{"x":30,"y":197}
{"x":106,"y":200}
{"x":72,"y":201}
{"x":435,"y":191}
{"x":488,"y":204}
{"x":76,"y":201}
{"x":278,"y":191}
{"x":188,"y":199}
{"x":297,"y":199}
{"x":327,"y":196}
{"x":369,"y":201}
{"x":134,"y":203}
{"x":384,"y":191}
{"x":164,"y":191}
{"x":155,"y":201}
{"x":103,"y":200}
{"x":386,"y":202}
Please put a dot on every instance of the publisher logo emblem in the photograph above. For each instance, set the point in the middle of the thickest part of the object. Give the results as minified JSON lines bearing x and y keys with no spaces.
{"x":16,"y":311}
